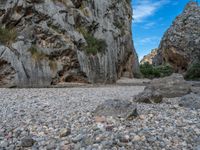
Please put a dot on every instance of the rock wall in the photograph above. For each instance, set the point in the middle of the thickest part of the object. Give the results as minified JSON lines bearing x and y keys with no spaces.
{"x":180,"y":45}
{"x":46,"y":42}
{"x":149,"y":58}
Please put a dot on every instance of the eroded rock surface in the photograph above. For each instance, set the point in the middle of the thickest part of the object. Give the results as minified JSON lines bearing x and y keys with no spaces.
{"x":53,"y":41}
{"x":7,"y":74}
{"x":180,"y":45}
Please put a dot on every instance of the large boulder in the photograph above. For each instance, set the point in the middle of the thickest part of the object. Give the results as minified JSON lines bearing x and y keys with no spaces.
{"x":171,"y":86}
{"x":168,"y":87}
{"x":52,"y":41}
{"x":180,"y":44}
{"x":190,"y":101}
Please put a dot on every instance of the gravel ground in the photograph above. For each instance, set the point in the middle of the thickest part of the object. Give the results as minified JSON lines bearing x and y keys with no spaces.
{"x":61,"y":119}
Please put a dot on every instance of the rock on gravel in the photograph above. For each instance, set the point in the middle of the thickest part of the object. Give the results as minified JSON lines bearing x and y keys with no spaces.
{"x":65,"y":132}
{"x":148,"y":96}
{"x":27,"y":141}
{"x":169,"y":87}
{"x":191,"y":101}
{"x":172,"y":86}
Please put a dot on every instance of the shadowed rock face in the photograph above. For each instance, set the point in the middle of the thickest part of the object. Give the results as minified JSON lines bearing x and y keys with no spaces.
{"x":53,"y":36}
{"x":180,"y":45}
{"x":7,"y":73}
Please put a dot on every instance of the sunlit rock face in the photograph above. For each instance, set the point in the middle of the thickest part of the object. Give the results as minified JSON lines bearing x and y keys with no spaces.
{"x":180,"y":45}
{"x":149,"y":58}
{"x":45,"y":42}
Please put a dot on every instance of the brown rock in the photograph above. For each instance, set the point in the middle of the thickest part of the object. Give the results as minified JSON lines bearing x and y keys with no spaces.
{"x":100,"y":119}
{"x":65,"y":132}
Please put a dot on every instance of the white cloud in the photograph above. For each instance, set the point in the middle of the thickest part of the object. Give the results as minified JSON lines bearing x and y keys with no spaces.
{"x":145,"y":8}
{"x":147,"y":40}
{"x":149,"y":25}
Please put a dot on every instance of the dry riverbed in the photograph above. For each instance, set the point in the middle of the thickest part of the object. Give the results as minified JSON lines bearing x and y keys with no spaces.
{"x":61,"y":119}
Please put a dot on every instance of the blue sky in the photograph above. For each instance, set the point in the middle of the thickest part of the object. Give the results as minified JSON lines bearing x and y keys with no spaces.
{"x":151,"y":19}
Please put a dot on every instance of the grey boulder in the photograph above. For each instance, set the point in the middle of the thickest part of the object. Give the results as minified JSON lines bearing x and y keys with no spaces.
{"x":168,"y":87}
{"x":172,"y":86}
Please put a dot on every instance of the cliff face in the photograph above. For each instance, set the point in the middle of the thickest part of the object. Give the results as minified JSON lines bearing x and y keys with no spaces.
{"x":180,"y":45}
{"x":149,"y":58}
{"x":44,"y":42}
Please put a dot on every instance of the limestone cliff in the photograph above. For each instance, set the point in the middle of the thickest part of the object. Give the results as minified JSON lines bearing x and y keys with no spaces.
{"x":149,"y":58}
{"x":180,"y":45}
{"x":44,"y":42}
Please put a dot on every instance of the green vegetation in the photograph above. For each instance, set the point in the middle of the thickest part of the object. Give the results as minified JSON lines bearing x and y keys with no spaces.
{"x":7,"y":36}
{"x":150,"y":71}
{"x":36,"y":55}
{"x":94,"y":45}
{"x":164,"y":70}
{"x":193,"y":72}
{"x":39,"y":56}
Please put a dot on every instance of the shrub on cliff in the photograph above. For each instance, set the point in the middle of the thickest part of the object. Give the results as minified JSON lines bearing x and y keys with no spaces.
{"x":7,"y":36}
{"x":150,"y":71}
{"x":193,"y":72}
{"x":94,"y":45}
{"x":36,"y":54}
